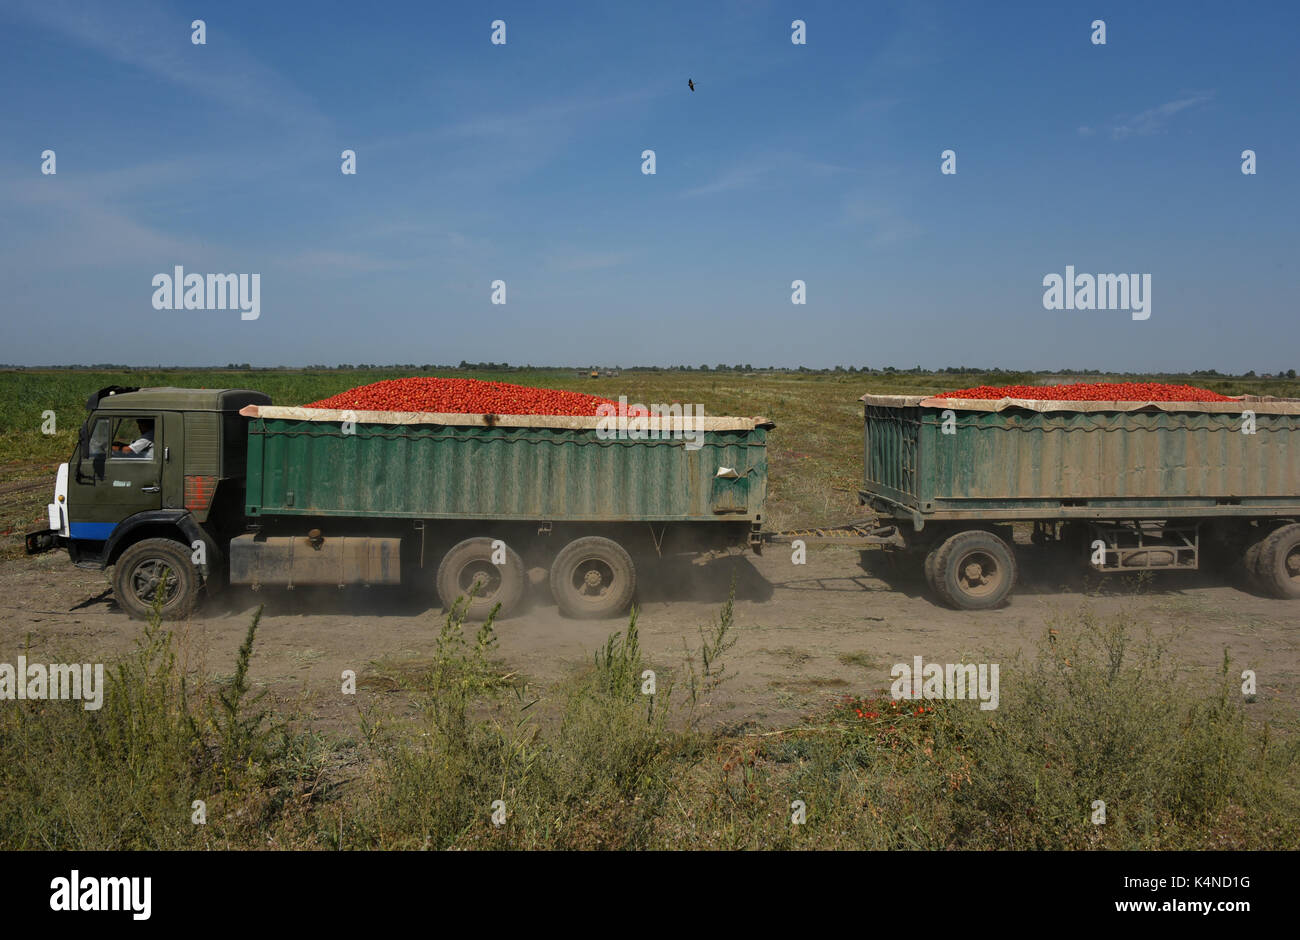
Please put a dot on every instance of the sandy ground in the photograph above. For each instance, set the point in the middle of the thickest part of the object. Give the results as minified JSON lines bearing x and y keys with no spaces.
{"x":805,"y":634}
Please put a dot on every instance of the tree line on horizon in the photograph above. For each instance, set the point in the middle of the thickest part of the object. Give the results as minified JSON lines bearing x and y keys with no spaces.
{"x":746,"y":368}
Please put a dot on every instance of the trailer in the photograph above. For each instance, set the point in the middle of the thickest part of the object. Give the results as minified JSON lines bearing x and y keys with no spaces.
{"x":235,"y":490}
{"x":1130,"y":486}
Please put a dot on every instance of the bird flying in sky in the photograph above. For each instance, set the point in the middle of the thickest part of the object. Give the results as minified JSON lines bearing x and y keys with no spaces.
{"x":691,"y":83}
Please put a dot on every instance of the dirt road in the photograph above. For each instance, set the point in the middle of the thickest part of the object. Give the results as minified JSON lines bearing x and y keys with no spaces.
{"x":806,"y":633}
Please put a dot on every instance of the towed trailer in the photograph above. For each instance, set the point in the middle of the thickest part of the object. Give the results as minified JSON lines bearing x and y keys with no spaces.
{"x":1129,"y":486}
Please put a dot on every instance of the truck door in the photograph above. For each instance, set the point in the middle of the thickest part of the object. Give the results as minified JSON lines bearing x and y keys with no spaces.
{"x":120,"y":475}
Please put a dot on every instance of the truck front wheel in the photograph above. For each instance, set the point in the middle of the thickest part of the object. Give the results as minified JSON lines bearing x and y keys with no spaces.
{"x":154,"y":567}
{"x":974,"y":570}
{"x":593,"y":577}
{"x":491,"y":564}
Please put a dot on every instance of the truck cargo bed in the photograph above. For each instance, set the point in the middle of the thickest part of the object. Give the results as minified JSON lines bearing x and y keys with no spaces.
{"x":502,"y":467}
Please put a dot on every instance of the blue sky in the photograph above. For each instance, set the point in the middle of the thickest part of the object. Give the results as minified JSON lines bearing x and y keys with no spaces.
{"x":522,"y":163}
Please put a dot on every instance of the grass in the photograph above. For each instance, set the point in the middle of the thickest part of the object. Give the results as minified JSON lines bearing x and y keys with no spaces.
{"x":167,"y":745}
{"x":487,"y":761}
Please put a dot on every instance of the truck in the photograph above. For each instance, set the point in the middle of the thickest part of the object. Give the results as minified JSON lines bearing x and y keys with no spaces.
{"x":240,"y":491}
{"x":185,"y":491}
{"x":1128,"y":486}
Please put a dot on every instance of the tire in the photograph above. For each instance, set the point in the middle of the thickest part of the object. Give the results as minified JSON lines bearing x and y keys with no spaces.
{"x":140,"y":568}
{"x":1278,"y":565}
{"x":1250,"y":566}
{"x":974,"y":570}
{"x":928,"y":568}
{"x":593,"y":577}
{"x":470,"y":561}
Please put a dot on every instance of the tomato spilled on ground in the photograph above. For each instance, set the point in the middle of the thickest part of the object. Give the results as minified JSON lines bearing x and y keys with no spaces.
{"x":463,"y":396}
{"x":1092,"y":391}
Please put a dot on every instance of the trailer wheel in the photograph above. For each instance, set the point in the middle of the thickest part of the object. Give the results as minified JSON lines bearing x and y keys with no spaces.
{"x":1250,"y":565}
{"x":471,"y":562}
{"x":1278,"y":565}
{"x":139,"y":574}
{"x":593,"y":577}
{"x":974,"y":570}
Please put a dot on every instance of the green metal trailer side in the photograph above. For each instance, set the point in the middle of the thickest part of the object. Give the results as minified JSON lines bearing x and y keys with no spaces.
{"x":390,"y":465}
{"x":933,"y":458}
{"x":1136,"y":472}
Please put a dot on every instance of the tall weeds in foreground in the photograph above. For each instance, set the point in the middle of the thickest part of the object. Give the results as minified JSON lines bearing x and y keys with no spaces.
{"x":620,"y":758}
{"x":127,"y":776}
{"x":606,"y":757}
{"x":1102,"y":716}
{"x":705,"y":667}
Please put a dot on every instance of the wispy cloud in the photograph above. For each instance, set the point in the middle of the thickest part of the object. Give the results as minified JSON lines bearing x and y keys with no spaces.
{"x":73,"y":229}
{"x":156,"y":41}
{"x":524,"y":123}
{"x":1153,"y":120}
{"x":389,"y":245}
{"x":493,"y":145}
{"x":579,"y":260}
{"x":757,"y":168}
{"x":738,"y":177}
{"x":342,"y":262}
{"x":885,"y":224}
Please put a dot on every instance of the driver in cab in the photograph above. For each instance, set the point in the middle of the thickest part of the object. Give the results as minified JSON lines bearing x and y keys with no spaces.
{"x":142,"y":446}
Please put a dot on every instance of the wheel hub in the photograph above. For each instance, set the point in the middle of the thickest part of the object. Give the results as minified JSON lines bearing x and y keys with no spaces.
{"x":979,"y":574}
{"x":148,"y":578}
{"x":481,"y":579}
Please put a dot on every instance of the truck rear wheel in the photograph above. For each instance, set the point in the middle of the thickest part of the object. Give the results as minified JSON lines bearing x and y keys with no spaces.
{"x":927,"y":568}
{"x":1278,"y":564}
{"x":1250,"y":566}
{"x":139,"y":576}
{"x":974,"y":570}
{"x":593,"y":577}
{"x":471,"y":562}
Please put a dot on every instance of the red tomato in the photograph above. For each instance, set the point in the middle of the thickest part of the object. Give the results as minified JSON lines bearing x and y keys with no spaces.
{"x":463,"y":396}
{"x":1092,"y":391}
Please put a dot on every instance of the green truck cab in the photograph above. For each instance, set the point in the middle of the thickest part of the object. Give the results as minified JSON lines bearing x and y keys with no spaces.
{"x":153,"y":488}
